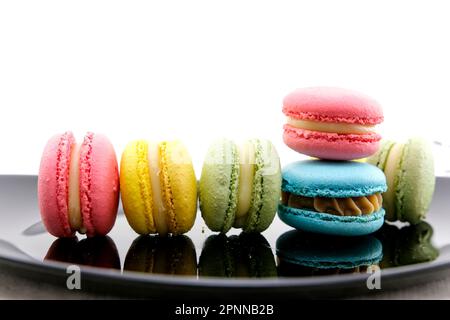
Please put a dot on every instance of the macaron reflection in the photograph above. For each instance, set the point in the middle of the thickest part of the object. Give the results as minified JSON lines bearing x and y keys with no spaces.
{"x":408,"y":245}
{"x":248,"y":255}
{"x":173,"y":255}
{"x":97,"y":252}
{"x":307,"y":254}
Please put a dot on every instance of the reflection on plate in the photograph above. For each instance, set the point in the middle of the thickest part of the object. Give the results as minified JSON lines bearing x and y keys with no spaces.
{"x":165,"y":255}
{"x":246,"y":255}
{"x":96,"y":252}
{"x":299,"y":253}
{"x":408,"y":245}
{"x":307,"y":254}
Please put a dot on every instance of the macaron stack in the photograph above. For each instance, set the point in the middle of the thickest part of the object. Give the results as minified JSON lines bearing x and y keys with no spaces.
{"x":332,"y":195}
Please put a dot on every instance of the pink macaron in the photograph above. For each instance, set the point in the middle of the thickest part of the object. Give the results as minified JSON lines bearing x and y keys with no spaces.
{"x":78,"y":185}
{"x":331,"y":123}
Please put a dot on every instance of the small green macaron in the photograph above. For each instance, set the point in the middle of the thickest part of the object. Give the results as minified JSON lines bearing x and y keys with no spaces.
{"x":409,"y":170}
{"x":240,"y":185}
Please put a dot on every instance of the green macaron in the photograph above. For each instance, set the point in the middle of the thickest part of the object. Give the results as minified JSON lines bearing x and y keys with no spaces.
{"x":240,"y":185}
{"x":409,"y":170}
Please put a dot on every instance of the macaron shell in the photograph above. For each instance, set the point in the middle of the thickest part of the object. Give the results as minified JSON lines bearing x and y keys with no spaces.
{"x":380,"y":157}
{"x":53,"y":185}
{"x":266,"y":187}
{"x":416,"y":181}
{"x":99,"y":184}
{"x":331,"y":104}
{"x":179,"y":186}
{"x":218,"y":187}
{"x":324,"y":223}
{"x":340,"y":179}
{"x":331,"y":146}
{"x":135,"y":187}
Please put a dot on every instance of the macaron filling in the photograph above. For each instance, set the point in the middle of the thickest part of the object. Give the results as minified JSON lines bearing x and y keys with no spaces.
{"x":159,"y":207}
{"x":350,"y":206}
{"x":74,"y":208}
{"x":393,"y":162}
{"x":247,"y":169}
{"x":331,"y":127}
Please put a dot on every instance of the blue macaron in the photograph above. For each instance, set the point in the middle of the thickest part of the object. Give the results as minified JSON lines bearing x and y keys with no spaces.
{"x":331,"y":197}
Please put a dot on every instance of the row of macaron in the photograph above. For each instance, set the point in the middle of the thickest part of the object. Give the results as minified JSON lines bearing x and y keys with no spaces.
{"x":79,"y":186}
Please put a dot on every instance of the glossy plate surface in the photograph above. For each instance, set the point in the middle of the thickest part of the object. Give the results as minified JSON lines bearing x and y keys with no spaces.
{"x":280,"y":263}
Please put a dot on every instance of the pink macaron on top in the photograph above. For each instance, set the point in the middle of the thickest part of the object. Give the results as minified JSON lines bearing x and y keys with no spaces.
{"x":330,"y":104}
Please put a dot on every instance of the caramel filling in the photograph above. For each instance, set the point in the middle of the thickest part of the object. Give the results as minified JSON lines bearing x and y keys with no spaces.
{"x":354,"y":206}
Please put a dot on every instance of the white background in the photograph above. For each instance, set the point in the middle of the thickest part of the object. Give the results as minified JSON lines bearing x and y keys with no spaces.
{"x":196,"y":70}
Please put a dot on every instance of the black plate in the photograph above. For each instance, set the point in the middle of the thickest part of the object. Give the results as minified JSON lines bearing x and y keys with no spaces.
{"x":220,"y":267}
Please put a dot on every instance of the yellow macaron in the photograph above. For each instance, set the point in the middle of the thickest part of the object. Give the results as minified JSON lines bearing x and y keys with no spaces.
{"x":158,"y":187}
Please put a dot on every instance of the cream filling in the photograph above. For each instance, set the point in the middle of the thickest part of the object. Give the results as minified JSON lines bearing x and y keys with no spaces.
{"x":75,"y":218}
{"x":246,"y":172}
{"x":345,"y":128}
{"x":159,"y":209}
{"x":390,"y":171}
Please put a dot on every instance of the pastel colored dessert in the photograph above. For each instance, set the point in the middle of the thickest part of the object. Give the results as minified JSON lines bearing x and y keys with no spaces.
{"x":162,"y":255}
{"x":245,"y":256}
{"x":307,"y":254}
{"x":240,"y":185}
{"x":96,"y":252}
{"x":158,"y":187}
{"x":409,"y":170}
{"x":407,"y":245}
{"x":331,"y":197}
{"x":78,"y":185}
{"x":331,"y":123}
